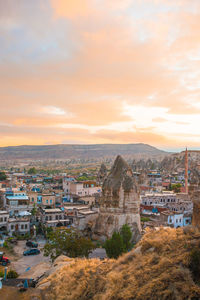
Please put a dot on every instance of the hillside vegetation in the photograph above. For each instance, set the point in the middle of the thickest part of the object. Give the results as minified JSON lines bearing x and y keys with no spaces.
{"x":165,"y":265}
{"x":79,"y":151}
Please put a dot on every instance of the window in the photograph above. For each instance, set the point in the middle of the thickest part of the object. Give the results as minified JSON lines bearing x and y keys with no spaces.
{"x":32,"y":199}
{"x":25,"y":226}
{"x":51,"y":201}
{"x":47,"y":201}
{"x":22,"y":226}
{"x":12,"y":227}
{"x":46,"y":218}
{"x":50,"y":218}
{"x":1,"y":219}
{"x":5,"y":219}
{"x":56,"y":217}
{"x":176,"y":220}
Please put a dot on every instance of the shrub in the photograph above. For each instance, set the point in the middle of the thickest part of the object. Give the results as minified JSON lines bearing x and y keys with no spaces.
{"x":145,"y":219}
{"x":5,"y":244}
{"x":194,"y":263}
{"x":1,"y":274}
{"x":114,"y":246}
{"x":12,"y":274}
{"x":27,"y":236}
{"x":9,"y":239}
{"x":126,"y":235}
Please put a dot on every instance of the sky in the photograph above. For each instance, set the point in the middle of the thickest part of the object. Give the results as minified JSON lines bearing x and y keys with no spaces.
{"x":100,"y":71}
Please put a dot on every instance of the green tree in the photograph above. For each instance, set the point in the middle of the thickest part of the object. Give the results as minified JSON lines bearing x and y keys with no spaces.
{"x":34,"y":210}
{"x":2,"y":176}
{"x":176,"y":187}
{"x":114,"y":246}
{"x":126,"y":235}
{"x":32,"y":171}
{"x":67,"y":242}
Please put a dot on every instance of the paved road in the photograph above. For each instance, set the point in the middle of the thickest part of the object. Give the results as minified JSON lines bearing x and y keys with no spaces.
{"x":25,"y":262}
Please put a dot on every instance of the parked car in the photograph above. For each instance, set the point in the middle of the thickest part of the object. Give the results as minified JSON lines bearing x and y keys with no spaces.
{"x":4,"y":261}
{"x":31,"y":252}
{"x":31,"y":244}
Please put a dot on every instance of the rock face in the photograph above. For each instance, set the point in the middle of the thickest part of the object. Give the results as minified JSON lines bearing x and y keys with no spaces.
{"x":119,"y":203}
{"x":102,"y":173}
{"x":196,"y":209}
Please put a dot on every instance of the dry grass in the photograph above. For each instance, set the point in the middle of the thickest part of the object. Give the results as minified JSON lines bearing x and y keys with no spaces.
{"x":160,"y":271}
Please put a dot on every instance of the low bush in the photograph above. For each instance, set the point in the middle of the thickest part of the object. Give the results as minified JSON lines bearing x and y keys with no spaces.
{"x":27,"y":236}
{"x":12,"y":274}
{"x":145,"y":219}
{"x":5,"y":245}
{"x":1,"y":274}
{"x":194,"y":264}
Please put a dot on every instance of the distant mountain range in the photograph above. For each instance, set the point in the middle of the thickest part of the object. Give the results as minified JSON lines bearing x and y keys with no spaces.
{"x":64,"y":151}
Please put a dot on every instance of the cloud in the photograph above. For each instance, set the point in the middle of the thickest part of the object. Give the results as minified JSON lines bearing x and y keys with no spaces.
{"x":53,"y":110}
{"x":70,"y":9}
{"x":103,"y":70}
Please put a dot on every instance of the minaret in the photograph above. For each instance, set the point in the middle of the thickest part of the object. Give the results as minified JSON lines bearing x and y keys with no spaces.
{"x":186,"y":171}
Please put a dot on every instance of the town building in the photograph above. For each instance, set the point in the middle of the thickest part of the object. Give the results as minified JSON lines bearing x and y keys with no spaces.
{"x":169,"y":200}
{"x":19,"y":226}
{"x":4,"y":216}
{"x":83,"y":188}
{"x":54,"y":217}
{"x":16,"y":202}
{"x":175,"y":219}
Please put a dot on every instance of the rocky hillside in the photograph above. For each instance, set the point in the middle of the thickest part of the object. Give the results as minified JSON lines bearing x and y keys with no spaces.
{"x":80,"y":151}
{"x":161,"y":267}
{"x":165,"y":265}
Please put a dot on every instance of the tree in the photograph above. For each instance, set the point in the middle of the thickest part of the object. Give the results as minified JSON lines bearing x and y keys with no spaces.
{"x":34,"y":210}
{"x":114,"y":246}
{"x":126,"y":235}
{"x":67,"y":241}
{"x":32,"y":171}
{"x":2,"y":176}
{"x":176,"y":187}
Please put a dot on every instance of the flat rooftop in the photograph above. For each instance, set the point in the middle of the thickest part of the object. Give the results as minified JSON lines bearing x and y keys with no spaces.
{"x":159,"y":195}
{"x":76,"y":207}
{"x":88,"y":212}
{"x":52,"y":210}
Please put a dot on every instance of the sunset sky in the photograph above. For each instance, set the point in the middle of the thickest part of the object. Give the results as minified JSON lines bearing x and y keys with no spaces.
{"x":100,"y":71}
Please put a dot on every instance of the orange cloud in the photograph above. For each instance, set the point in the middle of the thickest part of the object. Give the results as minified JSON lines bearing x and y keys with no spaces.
{"x":82,"y":60}
{"x":70,"y":9}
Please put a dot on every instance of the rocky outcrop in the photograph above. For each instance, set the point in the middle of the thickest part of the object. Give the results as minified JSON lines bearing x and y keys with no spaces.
{"x":157,"y":268}
{"x":119,"y":203}
{"x":196,"y":209}
{"x":102,"y":174}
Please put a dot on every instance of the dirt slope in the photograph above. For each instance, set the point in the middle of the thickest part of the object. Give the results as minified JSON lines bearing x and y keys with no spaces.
{"x":157,"y":269}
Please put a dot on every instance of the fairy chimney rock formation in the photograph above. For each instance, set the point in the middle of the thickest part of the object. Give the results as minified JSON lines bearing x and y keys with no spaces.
{"x":120,"y":202}
{"x":102,"y":173}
